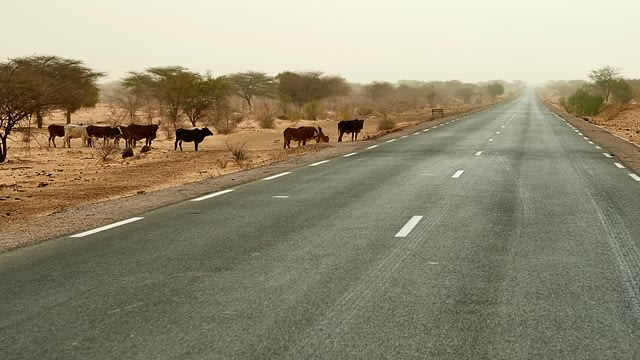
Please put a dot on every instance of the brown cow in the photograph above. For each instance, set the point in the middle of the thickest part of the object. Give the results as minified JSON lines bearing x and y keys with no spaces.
{"x":321,"y":136}
{"x":301,"y":134}
{"x":55,"y":130}
{"x":139,"y":132}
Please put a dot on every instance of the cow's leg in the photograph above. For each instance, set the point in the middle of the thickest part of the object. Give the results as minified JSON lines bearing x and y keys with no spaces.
{"x":340,"y":135}
{"x":195,"y":142}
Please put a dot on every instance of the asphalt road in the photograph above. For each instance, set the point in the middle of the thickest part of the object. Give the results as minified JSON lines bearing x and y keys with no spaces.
{"x":501,"y":235}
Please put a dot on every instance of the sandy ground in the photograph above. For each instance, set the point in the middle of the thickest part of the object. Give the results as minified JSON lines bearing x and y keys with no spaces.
{"x":48,"y":192}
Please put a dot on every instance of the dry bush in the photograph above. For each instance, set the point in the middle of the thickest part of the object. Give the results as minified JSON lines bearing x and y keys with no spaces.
{"x":386,"y":124}
{"x":265,"y":117}
{"x":103,"y":151}
{"x":238,"y":151}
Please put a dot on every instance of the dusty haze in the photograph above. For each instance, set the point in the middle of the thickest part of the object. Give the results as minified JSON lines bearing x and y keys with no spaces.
{"x":362,"y":41}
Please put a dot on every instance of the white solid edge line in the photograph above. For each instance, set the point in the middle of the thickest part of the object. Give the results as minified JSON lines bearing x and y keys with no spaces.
{"x":406,"y":229}
{"x":277,"y":175}
{"x":350,"y":154}
{"x":319,"y":163}
{"x":209,"y":196}
{"x":635,"y":177}
{"x":106,"y":227}
{"x":458,"y":174}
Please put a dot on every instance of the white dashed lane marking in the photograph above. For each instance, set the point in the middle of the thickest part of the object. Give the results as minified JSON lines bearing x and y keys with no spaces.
{"x":319,"y":163}
{"x":106,"y":227}
{"x":277,"y":176}
{"x":350,"y":154}
{"x":406,"y":229}
{"x":458,"y":174}
{"x":209,"y":196}
{"x":619,"y":166}
{"x":635,"y":177}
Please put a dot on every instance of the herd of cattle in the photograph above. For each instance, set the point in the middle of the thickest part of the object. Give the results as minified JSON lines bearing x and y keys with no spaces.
{"x":134,"y":132}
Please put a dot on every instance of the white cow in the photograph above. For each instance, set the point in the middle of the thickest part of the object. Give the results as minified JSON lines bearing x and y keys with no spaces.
{"x":75,"y":131}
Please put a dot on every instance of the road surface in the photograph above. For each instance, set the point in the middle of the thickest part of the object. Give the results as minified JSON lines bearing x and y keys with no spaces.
{"x":504,"y":234}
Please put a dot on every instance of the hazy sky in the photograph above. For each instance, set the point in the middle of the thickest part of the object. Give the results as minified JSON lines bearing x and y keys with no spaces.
{"x":360,"y":40}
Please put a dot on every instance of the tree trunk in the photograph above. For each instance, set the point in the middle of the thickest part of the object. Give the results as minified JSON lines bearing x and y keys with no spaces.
{"x":39,"y":120}
{"x":3,"y":148}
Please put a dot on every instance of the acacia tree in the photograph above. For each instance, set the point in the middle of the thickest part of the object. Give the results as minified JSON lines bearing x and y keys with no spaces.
{"x":170,"y":86}
{"x":139,"y":88}
{"x":210,"y":93}
{"x":303,"y":87}
{"x":378,"y":90}
{"x":495,"y":89}
{"x":72,"y":84}
{"x":605,"y":80}
{"x":22,"y":91}
{"x":250,"y":84}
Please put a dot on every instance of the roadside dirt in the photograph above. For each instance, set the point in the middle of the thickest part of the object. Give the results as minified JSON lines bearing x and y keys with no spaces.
{"x":48,"y":192}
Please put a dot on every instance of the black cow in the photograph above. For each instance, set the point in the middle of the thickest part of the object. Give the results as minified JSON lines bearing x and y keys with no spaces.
{"x":352,"y":127}
{"x":195,"y":135}
{"x":104,"y":132}
{"x":139,"y":132}
{"x":55,"y":130}
{"x":301,"y":134}
{"x":124,"y":134}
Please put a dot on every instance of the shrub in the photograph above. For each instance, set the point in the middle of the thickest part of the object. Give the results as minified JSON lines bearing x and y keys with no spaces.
{"x":238,"y":151}
{"x":582,"y":103}
{"x":312,"y":110}
{"x":386,"y":124}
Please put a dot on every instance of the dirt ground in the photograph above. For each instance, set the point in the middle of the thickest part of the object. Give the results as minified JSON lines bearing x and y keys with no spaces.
{"x":47,"y":192}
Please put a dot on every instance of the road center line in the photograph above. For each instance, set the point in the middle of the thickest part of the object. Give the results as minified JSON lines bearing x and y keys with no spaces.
{"x":319,"y":163}
{"x":458,"y":174}
{"x":106,"y":227}
{"x":277,"y":176}
{"x":406,"y":229}
{"x":209,"y":196}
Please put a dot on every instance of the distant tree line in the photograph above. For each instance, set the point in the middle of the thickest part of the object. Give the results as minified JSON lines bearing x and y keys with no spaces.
{"x":31,"y":87}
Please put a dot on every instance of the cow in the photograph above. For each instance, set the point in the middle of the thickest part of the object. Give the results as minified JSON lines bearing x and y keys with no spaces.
{"x":55,"y":130}
{"x":104,"y":132}
{"x":75,"y":131}
{"x":139,"y":132}
{"x":124,"y":134}
{"x":195,"y":135}
{"x":301,"y":134}
{"x":352,"y":127}
{"x":321,"y":136}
